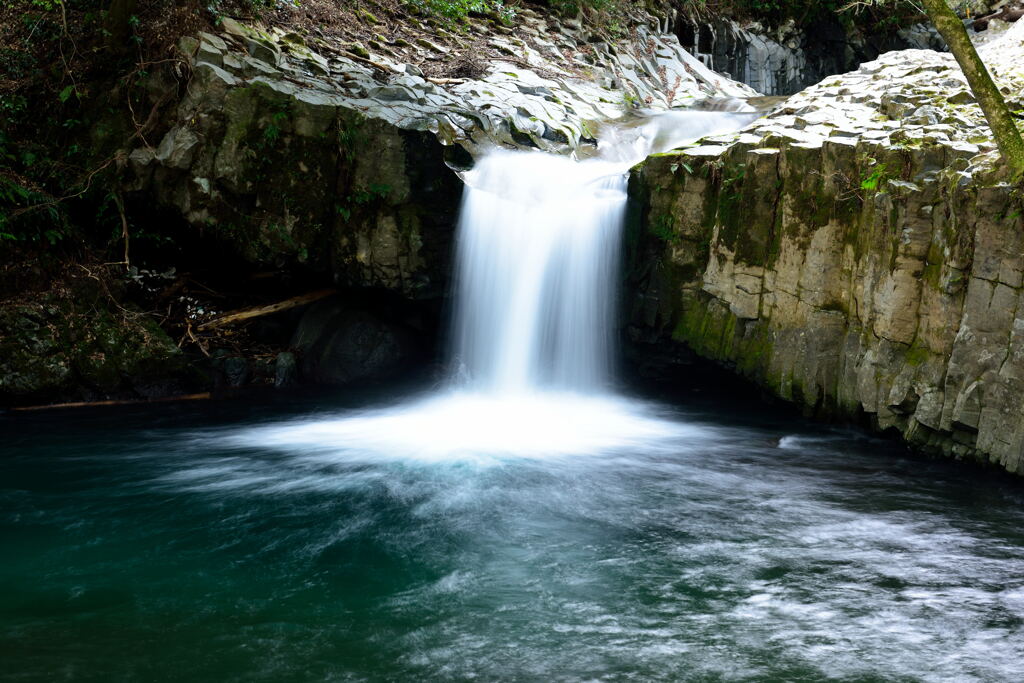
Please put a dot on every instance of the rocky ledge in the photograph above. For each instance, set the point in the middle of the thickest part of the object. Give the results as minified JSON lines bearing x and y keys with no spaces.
{"x":856,"y":252}
{"x":327,"y":163}
{"x":299,"y":150}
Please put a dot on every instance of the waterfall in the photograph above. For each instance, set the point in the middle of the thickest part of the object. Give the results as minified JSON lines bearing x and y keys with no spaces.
{"x":532,"y":341}
{"x":537,"y":259}
{"x":536,"y":272}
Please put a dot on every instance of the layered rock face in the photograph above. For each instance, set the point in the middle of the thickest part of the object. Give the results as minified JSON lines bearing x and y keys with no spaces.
{"x":854,"y":253}
{"x":297,"y":151}
{"x":320,"y":161}
{"x":785,"y":60}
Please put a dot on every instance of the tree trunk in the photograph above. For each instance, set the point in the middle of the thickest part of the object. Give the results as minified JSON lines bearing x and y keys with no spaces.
{"x":1003,"y":126}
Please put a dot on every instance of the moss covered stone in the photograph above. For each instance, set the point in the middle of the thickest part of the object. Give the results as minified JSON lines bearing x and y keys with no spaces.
{"x":86,"y":349}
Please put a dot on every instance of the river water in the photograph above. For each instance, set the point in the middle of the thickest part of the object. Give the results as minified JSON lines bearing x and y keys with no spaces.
{"x":525,"y":520}
{"x":165,"y":543}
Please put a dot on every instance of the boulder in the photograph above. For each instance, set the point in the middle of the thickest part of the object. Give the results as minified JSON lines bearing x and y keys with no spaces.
{"x":286,"y":370}
{"x":339,"y":344}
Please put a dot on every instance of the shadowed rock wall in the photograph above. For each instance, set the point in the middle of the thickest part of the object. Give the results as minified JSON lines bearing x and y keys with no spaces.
{"x":785,"y":60}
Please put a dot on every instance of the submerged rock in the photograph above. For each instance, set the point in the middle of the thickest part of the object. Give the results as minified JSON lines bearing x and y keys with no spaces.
{"x":286,"y":370}
{"x":237,"y":371}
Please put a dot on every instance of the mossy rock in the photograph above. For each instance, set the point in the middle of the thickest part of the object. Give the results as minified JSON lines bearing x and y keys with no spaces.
{"x":65,"y":349}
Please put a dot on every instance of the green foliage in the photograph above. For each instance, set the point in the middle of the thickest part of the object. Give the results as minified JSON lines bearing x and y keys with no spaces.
{"x":774,"y":11}
{"x":573,"y":7}
{"x":273,"y":130}
{"x":26,"y":214}
{"x":253,"y":6}
{"x":871,"y":181}
{"x":459,"y":9}
{"x":663,"y":227}
{"x":350,"y":136}
{"x":870,"y":15}
{"x":361,"y":197}
{"x":675,"y":167}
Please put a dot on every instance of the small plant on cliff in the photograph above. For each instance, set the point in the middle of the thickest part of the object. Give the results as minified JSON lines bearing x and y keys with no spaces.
{"x":871,"y":181}
{"x":458,"y":9}
{"x":664,"y":229}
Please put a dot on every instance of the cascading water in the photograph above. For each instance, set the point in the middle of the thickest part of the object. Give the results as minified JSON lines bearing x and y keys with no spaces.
{"x":536,"y":276}
{"x":537,"y":259}
{"x":536,"y":273}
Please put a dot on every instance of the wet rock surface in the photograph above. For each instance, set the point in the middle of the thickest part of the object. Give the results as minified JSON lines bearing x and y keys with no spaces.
{"x":340,"y":344}
{"x":71,"y":350}
{"x":296,"y":151}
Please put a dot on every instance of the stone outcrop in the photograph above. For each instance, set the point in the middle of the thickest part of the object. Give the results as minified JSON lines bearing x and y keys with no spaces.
{"x":855,"y":252}
{"x":297,"y":151}
{"x":341,"y":344}
{"x":788,"y":58}
{"x":78,"y":348}
{"x":312,"y":159}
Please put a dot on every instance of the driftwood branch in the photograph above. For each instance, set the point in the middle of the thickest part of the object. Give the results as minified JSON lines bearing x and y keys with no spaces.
{"x":446,"y":81}
{"x":128,"y":402}
{"x":248,"y":313}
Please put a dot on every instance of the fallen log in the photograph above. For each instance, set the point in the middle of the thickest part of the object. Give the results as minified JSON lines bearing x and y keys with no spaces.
{"x":256,"y":312}
{"x":125,"y":402}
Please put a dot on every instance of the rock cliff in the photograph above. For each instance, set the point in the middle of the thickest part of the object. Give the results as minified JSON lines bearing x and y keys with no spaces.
{"x":298,"y":150}
{"x":855,"y":252}
{"x":289,"y":152}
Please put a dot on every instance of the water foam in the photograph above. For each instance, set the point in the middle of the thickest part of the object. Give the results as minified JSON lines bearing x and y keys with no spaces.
{"x":476,"y":427}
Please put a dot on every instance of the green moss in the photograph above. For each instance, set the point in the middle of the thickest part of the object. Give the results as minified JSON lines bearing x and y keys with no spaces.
{"x":75,"y":344}
{"x":757,"y":351}
{"x":358,"y":50}
{"x":350,"y":134}
{"x":931,"y":275}
{"x":747,"y":208}
{"x":916,"y":354}
{"x":663,"y":227}
{"x":811,"y":205}
{"x":671,"y":154}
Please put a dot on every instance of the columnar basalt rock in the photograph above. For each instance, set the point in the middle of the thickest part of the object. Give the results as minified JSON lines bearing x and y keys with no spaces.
{"x":297,"y":151}
{"x":856,"y":252}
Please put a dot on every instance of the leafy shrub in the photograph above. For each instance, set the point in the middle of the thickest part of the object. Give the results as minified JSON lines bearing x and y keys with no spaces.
{"x":457,"y":9}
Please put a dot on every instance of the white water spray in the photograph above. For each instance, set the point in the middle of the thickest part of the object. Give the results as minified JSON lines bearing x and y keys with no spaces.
{"x":536,"y":276}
